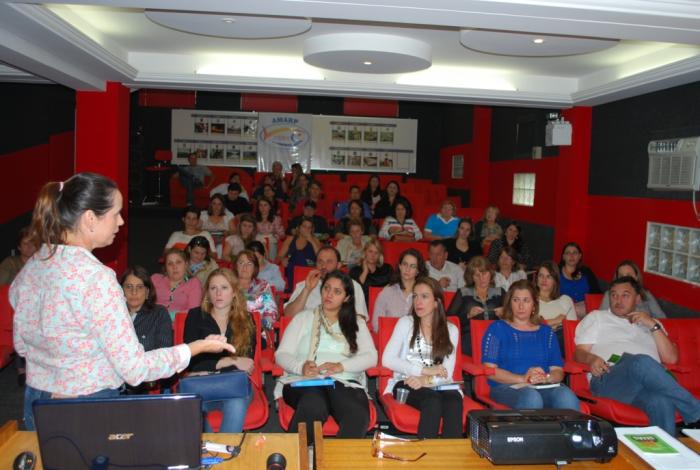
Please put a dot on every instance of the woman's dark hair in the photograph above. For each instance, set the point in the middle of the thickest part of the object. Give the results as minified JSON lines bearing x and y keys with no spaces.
{"x":270,"y":215}
{"x":141,"y":273}
{"x":201,"y":242}
{"x":60,"y":205}
{"x":252,"y":258}
{"x":518,"y":243}
{"x":472,"y":232}
{"x":347,"y":316}
{"x":256,"y":247}
{"x":23,"y":233}
{"x":247,"y":218}
{"x":190,"y":209}
{"x":422,"y":270}
{"x":398,"y":187}
{"x":223,"y":204}
{"x":307,"y":219}
{"x":522,"y":284}
{"x":510,"y":251}
{"x":369,"y":187}
{"x":442,"y":346}
{"x":577,"y":272}
{"x":405,"y":204}
{"x":553,"y":270}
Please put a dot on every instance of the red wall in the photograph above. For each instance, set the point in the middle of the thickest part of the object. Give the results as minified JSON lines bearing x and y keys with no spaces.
{"x":363,"y":107}
{"x":35,"y":166}
{"x":617,"y":230}
{"x":446,"y":154}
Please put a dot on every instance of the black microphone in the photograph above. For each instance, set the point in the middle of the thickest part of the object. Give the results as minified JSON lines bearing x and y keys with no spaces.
{"x":276,"y":461}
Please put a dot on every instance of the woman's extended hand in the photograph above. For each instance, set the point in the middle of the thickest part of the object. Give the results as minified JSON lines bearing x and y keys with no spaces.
{"x":310,"y":369}
{"x":535,"y":375}
{"x":436,"y":370}
{"x":474,"y":311}
{"x":245,"y":364}
{"x":211,"y":344}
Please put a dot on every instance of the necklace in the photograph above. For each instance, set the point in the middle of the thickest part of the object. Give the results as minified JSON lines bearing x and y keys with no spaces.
{"x":420,"y":351}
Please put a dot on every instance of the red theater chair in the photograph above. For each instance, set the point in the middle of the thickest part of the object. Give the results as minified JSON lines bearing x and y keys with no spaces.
{"x":685,"y":332}
{"x":592,"y":301}
{"x":392,"y":250}
{"x":404,"y":417}
{"x":606,"y":408}
{"x":6,"y":314}
{"x":286,"y":412}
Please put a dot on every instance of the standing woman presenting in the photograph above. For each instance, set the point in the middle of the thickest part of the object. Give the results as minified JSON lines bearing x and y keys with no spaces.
{"x":71,"y":322}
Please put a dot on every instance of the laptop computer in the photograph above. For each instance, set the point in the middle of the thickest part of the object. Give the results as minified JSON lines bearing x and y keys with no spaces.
{"x":144,"y":432}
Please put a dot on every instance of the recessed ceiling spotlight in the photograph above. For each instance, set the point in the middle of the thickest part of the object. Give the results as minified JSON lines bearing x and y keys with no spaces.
{"x":538,"y":41}
{"x":228,"y":20}
{"x":367,"y":62}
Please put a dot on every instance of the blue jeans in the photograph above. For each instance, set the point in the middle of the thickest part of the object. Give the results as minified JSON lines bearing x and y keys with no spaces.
{"x":234,"y":410}
{"x":638,"y":380}
{"x":530,"y":398}
{"x":32,"y":394}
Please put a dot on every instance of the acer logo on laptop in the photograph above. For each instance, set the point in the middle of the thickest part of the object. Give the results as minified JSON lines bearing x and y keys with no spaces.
{"x":120,"y":437}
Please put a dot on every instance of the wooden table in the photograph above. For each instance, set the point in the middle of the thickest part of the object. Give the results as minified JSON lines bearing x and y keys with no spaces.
{"x":256,"y":448}
{"x":449,"y":454}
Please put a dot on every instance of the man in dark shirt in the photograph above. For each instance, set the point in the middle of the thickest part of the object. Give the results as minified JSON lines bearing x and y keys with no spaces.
{"x":320,"y":224}
{"x":235,"y":203}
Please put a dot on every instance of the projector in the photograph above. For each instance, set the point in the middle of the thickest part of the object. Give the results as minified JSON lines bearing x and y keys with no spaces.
{"x":557,"y":133}
{"x":548,"y":436}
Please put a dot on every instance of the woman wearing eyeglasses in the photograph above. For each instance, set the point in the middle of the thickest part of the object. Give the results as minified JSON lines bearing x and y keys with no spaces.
{"x":258,"y":293}
{"x":175,"y":289}
{"x":395,"y":299}
{"x":201,"y":263}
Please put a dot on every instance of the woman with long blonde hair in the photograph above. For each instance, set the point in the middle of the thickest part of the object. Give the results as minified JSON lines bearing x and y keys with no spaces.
{"x":223,"y":312}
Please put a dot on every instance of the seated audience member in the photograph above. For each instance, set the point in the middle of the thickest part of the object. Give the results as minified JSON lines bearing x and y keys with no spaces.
{"x":190,"y":219}
{"x":342,"y":228}
{"x":11,"y":265}
{"x":449,"y":275}
{"x":422,"y":352}
{"x":222,"y":188}
{"x":395,"y":299}
{"x":480,"y":299}
{"x":329,"y":340}
{"x":247,"y":232}
{"x":218,"y":221}
{"x":258,"y":293}
{"x":507,"y":270}
{"x":269,"y":272}
{"x":352,"y":246}
{"x":512,"y":236}
{"x":463,"y":246}
{"x":152,"y":323}
{"x":443,"y":224}
{"x":296,"y":171}
{"x":638,"y":378}
{"x":201,"y":263}
{"x":299,"y":250}
{"x":648,"y":302}
{"x":234,"y":202}
{"x":355,"y":195}
{"x":399,"y":226}
{"x":307,"y":293}
{"x":576,"y":280}
{"x":372,"y":194}
{"x":386,"y":205}
{"x":554,"y":306}
{"x":175,"y":290}
{"x":524,"y":354}
{"x":371,"y":271}
{"x":488,"y":229}
{"x":193,"y":176}
{"x":269,"y":226}
{"x":223,"y":312}
{"x":278,"y":182}
{"x":321,"y":229}
{"x":267,"y":190}
{"x":299,"y":193}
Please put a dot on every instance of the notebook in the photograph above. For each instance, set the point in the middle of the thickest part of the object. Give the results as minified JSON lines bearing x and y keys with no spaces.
{"x":145,"y":432}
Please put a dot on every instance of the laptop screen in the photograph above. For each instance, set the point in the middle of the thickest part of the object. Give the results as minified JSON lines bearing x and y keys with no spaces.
{"x":145,"y":432}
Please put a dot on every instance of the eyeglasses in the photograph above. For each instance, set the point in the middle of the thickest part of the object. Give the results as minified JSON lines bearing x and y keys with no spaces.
{"x":380,"y":440}
{"x":409,"y":266}
{"x":134,"y":287}
{"x":244,"y":264}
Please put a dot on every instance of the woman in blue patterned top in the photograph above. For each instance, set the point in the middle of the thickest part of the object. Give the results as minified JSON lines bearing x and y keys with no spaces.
{"x":525,"y":354}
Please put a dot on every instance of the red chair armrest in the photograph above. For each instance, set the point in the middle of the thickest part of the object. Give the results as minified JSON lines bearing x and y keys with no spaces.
{"x":678,"y":368}
{"x":379,"y":371}
{"x":573,"y":367}
{"x":477,"y":369}
{"x":266,"y":365}
{"x":277,"y":371}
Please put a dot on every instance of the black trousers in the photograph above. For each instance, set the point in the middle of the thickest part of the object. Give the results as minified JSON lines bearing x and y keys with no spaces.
{"x":435,"y":406}
{"x":349,"y":407}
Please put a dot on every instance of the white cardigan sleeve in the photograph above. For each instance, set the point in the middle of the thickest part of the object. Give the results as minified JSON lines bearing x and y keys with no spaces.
{"x":397,"y":347}
{"x":287,"y":354}
{"x":366,"y":355}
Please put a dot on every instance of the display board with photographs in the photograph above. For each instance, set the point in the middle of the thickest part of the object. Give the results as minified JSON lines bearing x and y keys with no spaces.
{"x":221,"y":138}
{"x":367,"y":144}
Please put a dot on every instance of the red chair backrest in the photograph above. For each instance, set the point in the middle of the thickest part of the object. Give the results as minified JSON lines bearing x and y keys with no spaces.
{"x":179,"y":328}
{"x":392,"y":250}
{"x":474,"y":213}
{"x":163,"y":155}
{"x":478,"y":329}
{"x":685,"y":332}
{"x":373,"y":294}
{"x":386,"y":329}
{"x":577,"y":382}
{"x":592,"y":301}
{"x":300,"y":273}
{"x":449,"y":295}
{"x":6,"y":314}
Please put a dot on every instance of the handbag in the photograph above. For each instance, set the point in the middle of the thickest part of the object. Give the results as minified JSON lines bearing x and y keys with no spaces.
{"x":218,"y":385}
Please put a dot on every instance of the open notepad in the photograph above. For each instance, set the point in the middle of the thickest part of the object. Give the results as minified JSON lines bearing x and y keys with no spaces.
{"x":303,"y":381}
{"x":455,"y":385}
{"x":656,"y":447}
{"x":535,"y":386}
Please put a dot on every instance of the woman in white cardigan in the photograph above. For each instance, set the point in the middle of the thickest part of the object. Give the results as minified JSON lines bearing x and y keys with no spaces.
{"x":330,"y":341}
{"x":422,"y":352}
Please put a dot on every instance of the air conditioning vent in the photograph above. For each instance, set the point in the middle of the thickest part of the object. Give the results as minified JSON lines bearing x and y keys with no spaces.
{"x":674,"y":164}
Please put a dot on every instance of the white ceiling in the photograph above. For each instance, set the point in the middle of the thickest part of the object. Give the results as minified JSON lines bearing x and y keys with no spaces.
{"x":649,"y":45}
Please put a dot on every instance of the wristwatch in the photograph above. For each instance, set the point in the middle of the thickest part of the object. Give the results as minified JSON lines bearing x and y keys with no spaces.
{"x":656,"y":327}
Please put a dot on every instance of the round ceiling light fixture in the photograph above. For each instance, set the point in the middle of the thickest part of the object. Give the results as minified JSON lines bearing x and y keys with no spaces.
{"x":351,"y":52}
{"x":238,"y":27}
{"x":523,"y":44}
